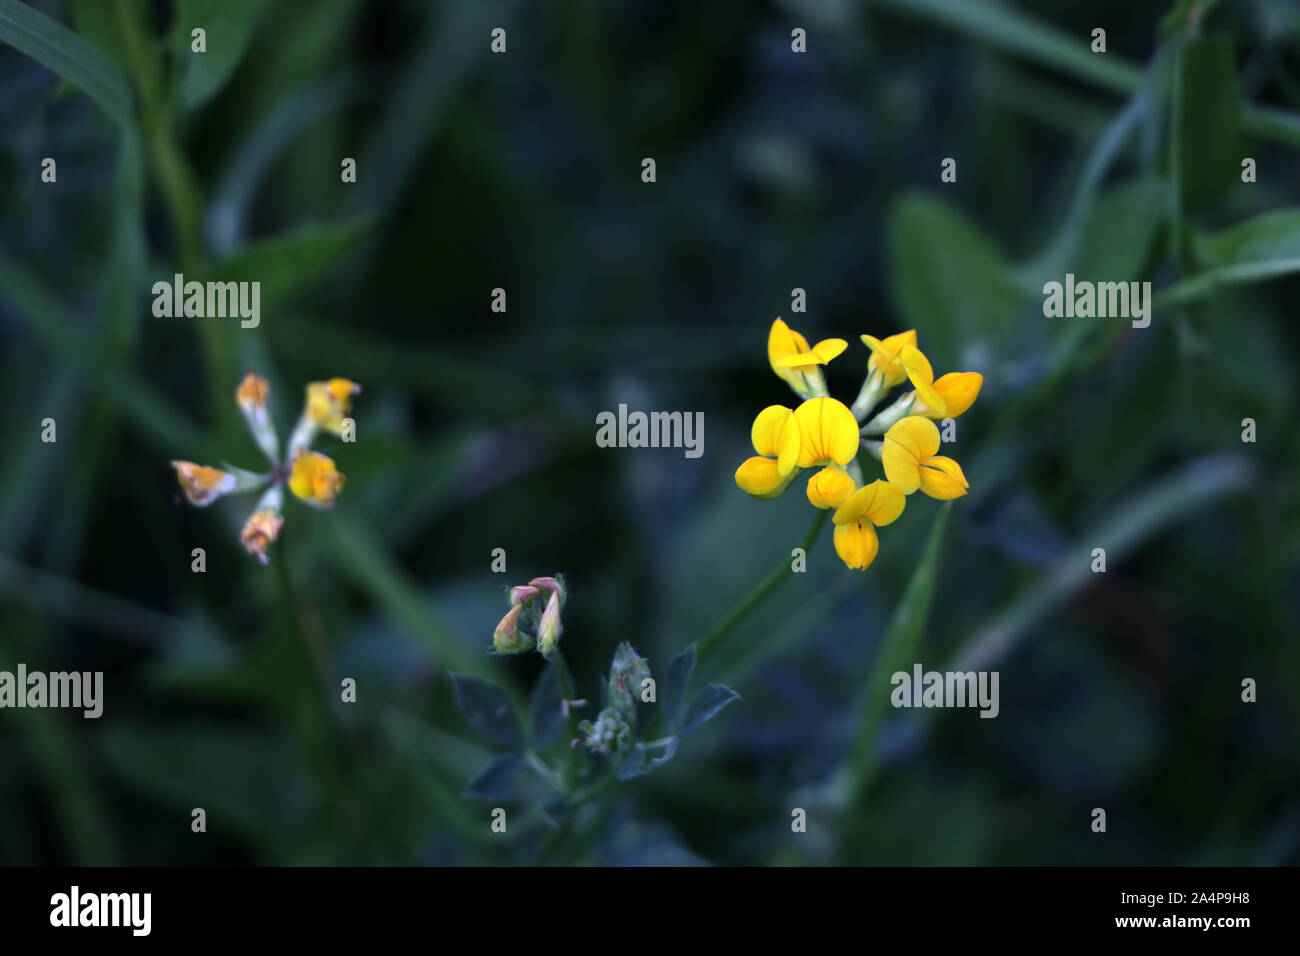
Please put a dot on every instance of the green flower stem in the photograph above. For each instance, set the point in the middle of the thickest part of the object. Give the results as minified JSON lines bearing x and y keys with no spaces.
{"x":567,"y":691}
{"x":345,"y":752}
{"x":873,"y":448}
{"x":709,"y":643}
{"x":873,"y":390}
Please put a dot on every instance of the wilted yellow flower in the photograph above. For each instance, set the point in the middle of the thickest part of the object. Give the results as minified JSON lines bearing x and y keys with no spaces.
{"x":829,"y":487}
{"x":776,"y":437}
{"x":856,"y":520}
{"x":328,"y":403}
{"x":252,"y":392}
{"x":314,"y":478}
{"x":828,"y":433}
{"x":886,"y":355}
{"x":796,"y":363}
{"x":908,"y":456}
{"x":260,"y":531}
{"x":203,"y":485}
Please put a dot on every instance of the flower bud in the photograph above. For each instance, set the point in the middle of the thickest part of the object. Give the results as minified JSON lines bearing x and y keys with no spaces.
{"x":550,"y":628}
{"x":555,"y":585}
{"x":203,"y":485}
{"x":508,"y":639}
{"x":522,"y":594}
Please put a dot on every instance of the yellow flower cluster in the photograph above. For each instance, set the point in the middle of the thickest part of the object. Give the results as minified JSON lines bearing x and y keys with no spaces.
{"x":309,"y":475}
{"x":826,"y":434}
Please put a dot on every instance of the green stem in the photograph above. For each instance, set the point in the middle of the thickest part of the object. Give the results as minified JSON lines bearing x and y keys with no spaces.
{"x":565,"y":679}
{"x":708,"y":644}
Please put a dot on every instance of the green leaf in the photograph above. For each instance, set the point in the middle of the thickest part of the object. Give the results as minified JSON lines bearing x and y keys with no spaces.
{"x":286,"y":264}
{"x":67,"y":55}
{"x":1271,"y":235}
{"x":952,"y":284}
{"x":547,"y":708}
{"x":496,"y":779}
{"x":228,"y":25}
{"x":898,"y":651}
{"x":706,"y":705}
{"x":1206,"y":153}
{"x":488,"y":709}
{"x":1121,"y":231}
{"x":676,"y":683}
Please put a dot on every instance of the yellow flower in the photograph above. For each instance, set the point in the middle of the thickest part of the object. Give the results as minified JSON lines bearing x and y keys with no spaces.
{"x":856,"y":520}
{"x":957,"y":391}
{"x":776,"y":438}
{"x":885,"y":355}
{"x":910,"y":462}
{"x":828,"y":433}
{"x":829,"y":487}
{"x":314,"y":479}
{"x":203,"y":485}
{"x":261,"y":529}
{"x":328,"y":403}
{"x":921,"y":375}
{"x":796,"y":363}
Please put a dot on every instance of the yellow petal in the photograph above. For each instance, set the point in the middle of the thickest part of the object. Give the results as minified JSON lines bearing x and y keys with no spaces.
{"x":314,"y":479}
{"x":922,"y":377}
{"x":827,"y":349}
{"x":901,"y":467}
{"x":942,"y":478}
{"x":781,"y":342}
{"x":789,"y":446}
{"x":856,"y":544}
{"x":759,"y":477}
{"x":829,"y":487}
{"x":958,"y":391}
{"x":887,"y":504}
{"x":885,"y":354}
{"x":767,"y":428}
{"x":329,"y":402}
{"x":829,"y":432}
{"x":879,"y":502}
{"x":917,"y":434}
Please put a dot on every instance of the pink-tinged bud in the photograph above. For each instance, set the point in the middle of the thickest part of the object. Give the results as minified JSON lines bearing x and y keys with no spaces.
{"x":508,"y":639}
{"x":554,"y":585}
{"x":523,"y":593}
{"x":550,"y":628}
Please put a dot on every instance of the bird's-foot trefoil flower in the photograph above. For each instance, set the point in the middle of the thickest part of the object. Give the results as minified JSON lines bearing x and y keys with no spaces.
{"x":824,"y":434}
{"x":909,"y":459}
{"x":856,"y":520}
{"x":797,"y":363}
{"x":310,"y":475}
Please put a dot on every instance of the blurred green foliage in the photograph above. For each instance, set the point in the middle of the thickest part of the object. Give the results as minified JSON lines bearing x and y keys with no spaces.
{"x":775,"y":170}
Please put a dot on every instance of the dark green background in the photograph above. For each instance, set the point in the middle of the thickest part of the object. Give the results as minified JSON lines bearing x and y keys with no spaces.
{"x":476,"y":430}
